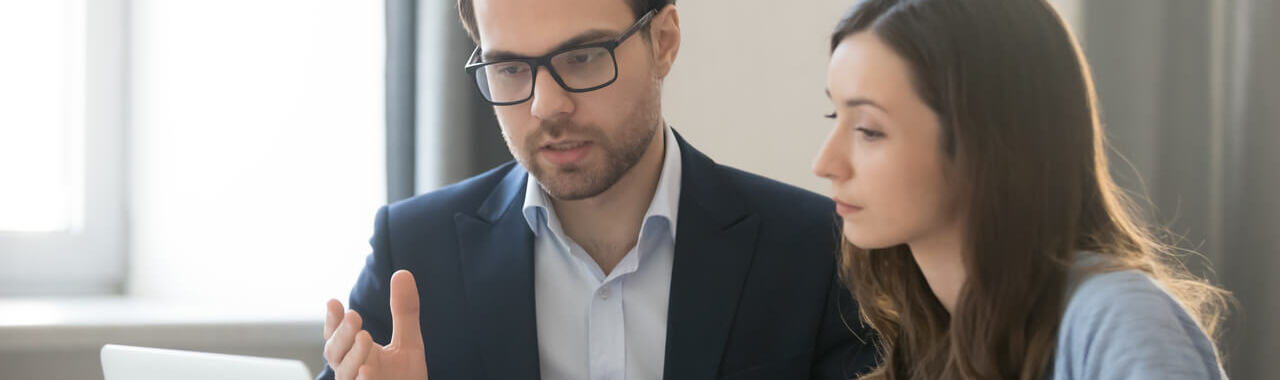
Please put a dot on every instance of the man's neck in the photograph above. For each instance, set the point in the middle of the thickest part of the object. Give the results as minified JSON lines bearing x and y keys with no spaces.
{"x":607,"y":225}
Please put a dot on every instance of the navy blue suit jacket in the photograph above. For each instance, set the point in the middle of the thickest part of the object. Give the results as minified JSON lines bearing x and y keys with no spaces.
{"x":754,"y":292}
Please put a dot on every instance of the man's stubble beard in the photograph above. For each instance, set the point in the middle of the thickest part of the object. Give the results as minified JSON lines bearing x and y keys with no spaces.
{"x":621,"y":152}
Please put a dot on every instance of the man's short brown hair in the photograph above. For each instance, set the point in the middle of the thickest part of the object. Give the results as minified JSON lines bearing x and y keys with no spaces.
{"x":467,"y":13}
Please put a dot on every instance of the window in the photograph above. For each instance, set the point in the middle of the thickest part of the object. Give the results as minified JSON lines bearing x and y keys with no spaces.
{"x":61,"y":195}
{"x":40,"y":129}
{"x":257,"y":148}
{"x":196,"y":149}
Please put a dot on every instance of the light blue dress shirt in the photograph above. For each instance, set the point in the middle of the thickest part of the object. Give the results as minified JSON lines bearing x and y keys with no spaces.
{"x":598,"y":327}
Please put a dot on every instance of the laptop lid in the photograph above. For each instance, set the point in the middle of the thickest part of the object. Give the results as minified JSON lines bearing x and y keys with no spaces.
{"x":142,"y":363}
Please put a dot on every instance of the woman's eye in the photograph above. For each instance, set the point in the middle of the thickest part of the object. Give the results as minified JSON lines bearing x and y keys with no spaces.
{"x":831,"y":115}
{"x":870,"y":134}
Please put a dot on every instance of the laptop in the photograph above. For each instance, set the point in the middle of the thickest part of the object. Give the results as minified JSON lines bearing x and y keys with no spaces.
{"x":142,"y":363}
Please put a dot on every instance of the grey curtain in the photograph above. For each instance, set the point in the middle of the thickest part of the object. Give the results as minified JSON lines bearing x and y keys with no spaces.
{"x":439,"y":130}
{"x":1251,"y":224}
{"x":401,"y":96}
{"x":1188,"y":91}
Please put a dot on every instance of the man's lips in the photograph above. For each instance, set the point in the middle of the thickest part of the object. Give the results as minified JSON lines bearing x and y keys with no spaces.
{"x":564,"y":144}
{"x":565,"y":152}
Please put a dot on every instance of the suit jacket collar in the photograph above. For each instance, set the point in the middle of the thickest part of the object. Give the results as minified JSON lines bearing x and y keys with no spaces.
{"x":496,"y":260}
{"x":714,"y":247}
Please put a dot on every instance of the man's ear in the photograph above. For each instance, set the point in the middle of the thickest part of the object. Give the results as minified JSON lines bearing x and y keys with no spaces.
{"x":664,"y":32}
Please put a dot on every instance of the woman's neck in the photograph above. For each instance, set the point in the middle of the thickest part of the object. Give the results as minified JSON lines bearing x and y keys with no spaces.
{"x":941,"y":259}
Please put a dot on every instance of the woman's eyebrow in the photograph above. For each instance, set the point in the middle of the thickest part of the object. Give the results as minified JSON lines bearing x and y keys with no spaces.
{"x":859,"y":101}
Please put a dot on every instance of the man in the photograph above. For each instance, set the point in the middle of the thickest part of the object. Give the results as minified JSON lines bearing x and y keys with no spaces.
{"x":611,"y":249}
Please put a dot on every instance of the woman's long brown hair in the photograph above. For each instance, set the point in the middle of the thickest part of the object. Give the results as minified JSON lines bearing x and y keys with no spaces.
{"x":1025,"y":151}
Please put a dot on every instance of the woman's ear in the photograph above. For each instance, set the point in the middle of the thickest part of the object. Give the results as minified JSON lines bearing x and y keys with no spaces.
{"x":664,"y":33}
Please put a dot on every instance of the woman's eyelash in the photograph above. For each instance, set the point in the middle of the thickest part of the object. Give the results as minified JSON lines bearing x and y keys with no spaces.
{"x":866,"y":132}
{"x":870,"y":133}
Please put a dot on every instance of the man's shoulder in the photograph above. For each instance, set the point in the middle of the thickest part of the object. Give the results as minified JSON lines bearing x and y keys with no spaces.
{"x":766,"y":195}
{"x":780,"y":205}
{"x":464,"y":196}
{"x":760,"y":194}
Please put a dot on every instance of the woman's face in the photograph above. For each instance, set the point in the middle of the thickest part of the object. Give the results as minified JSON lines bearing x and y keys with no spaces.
{"x":883,"y":155}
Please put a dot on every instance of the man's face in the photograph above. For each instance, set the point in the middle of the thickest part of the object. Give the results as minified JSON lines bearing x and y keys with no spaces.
{"x":576,"y":144}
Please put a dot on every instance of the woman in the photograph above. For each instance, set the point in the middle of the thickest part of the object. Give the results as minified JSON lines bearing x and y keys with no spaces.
{"x":985,"y":238}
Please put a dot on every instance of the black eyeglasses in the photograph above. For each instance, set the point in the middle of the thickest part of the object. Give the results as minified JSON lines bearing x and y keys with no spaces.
{"x":580,"y":68}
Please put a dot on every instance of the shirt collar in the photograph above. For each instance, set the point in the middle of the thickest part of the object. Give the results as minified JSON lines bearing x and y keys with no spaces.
{"x":664,"y":205}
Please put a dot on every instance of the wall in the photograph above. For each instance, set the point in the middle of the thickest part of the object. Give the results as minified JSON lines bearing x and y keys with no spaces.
{"x":747,"y":87}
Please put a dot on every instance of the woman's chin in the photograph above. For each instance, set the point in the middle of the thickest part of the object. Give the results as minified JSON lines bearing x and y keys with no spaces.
{"x":865,"y":240}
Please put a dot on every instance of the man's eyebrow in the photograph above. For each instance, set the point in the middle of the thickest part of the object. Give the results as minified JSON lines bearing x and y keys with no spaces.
{"x":593,"y":35}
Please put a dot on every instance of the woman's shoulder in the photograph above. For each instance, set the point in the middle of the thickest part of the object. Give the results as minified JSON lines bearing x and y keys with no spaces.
{"x":1120,"y":291}
{"x":1122,"y":324}
{"x":1099,"y":289}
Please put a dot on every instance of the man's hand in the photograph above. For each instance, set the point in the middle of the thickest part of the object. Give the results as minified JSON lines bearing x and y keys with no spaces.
{"x":353,"y":354}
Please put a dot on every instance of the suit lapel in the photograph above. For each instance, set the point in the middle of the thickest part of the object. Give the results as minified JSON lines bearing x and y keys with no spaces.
{"x":715,"y":243}
{"x":497,"y":271}
{"x":714,"y":248}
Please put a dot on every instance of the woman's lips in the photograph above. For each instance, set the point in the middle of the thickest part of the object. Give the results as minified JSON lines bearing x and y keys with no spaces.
{"x":845,"y":209}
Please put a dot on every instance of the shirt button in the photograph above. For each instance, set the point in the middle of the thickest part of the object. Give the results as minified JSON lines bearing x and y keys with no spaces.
{"x":604,"y":293}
